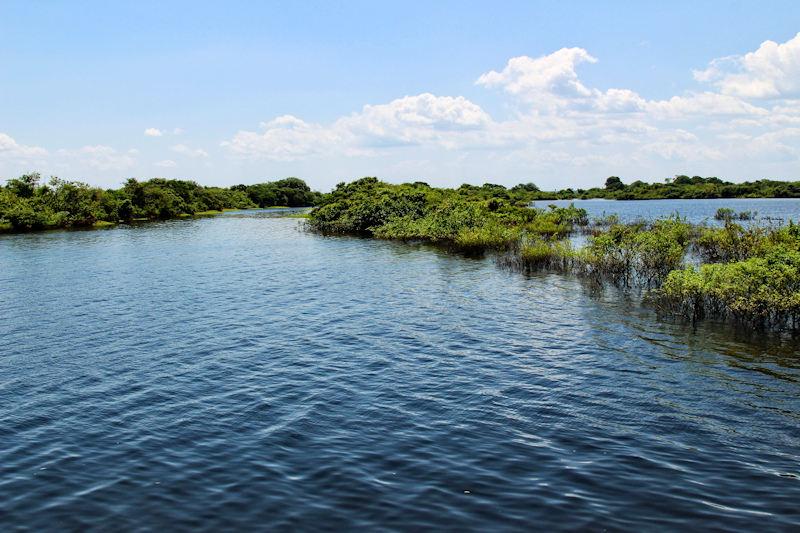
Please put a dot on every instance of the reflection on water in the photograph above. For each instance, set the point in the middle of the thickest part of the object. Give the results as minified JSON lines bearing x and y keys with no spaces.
{"x":237,"y":372}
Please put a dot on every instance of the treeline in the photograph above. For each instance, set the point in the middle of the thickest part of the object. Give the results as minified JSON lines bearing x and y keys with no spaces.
{"x":27,"y":204}
{"x":289,"y":192}
{"x":750,"y":274}
{"x":683,"y":187}
{"x":680,"y":187}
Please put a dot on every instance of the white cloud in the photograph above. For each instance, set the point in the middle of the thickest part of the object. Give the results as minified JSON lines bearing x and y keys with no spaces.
{"x":98,"y":157}
{"x":9,"y":148}
{"x":411,"y":120}
{"x":707,"y":103}
{"x":772,"y":71}
{"x":555,"y":124}
{"x":155,"y":132}
{"x":681,"y":145}
{"x":286,"y":138}
{"x":191,"y":152}
{"x":541,"y":78}
{"x":550,"y":84}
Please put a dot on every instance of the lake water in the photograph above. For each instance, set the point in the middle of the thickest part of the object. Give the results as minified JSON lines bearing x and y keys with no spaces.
{"x":238,"y":373}
{"x":780,"y":210}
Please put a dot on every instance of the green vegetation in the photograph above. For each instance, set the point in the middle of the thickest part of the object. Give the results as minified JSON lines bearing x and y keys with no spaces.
{"x":750,"y":274}
{"x":742,"y":270}
{"x":468,"y":218}
{"x":289,"y":192}
{"x":26,"y":205}
{"x":682,"y":187}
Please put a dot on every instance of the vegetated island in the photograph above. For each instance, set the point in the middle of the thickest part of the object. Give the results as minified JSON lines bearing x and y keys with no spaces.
{"x":745,"y":273}
{"x":27,"y":205}
{"x":680,"y":187}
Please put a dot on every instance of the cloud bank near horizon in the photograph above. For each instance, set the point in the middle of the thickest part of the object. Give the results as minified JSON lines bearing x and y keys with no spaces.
{"x":745,"y":116}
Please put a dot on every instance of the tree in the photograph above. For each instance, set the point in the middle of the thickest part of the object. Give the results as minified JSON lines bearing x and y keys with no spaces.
{"x":613,"y":183}
{"x":25,"y":185}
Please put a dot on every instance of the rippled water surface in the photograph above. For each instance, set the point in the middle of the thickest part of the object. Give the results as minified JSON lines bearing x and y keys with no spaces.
{"x":236,"y":372}
{"x":779,"y":210}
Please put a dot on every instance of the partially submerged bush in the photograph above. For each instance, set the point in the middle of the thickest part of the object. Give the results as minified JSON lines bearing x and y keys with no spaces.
{"x":752,"y":275}
{"x":636,"y":254}
{"x":728,"y":215}
{"x":761,"y":291}
{"x":462,"y":219}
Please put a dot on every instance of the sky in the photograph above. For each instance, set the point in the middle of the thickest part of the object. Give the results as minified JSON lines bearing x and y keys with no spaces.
{"x":561,"y":94}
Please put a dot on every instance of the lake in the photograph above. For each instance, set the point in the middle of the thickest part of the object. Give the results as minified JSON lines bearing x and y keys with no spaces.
{"x":237,"y":372}
{"x":780,"y":210}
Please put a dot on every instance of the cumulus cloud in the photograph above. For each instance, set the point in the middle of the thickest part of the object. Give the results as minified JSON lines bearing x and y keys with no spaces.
{"x":191,"y":152}
{"x":682,"y":146}
{"x":155,"y":132}
{"x":16,"y":158}
{"x":286,"y":138}
{"x":166,"y":163}
{"x":772,"y":71}
{"x":707,"y":103}
{"x":9,"y":148}
{"x":550,"y":83}
{"x":552,"y":74}
{"x":411,"y":120}
{"x":558,"y":121}
{"x":98,"y":157}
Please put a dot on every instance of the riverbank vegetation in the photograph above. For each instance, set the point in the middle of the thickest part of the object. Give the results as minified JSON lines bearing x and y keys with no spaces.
{"x":679,"y":187}
{"x":684,"y":187}
{"x":743,"y":270}
{"x":27,"y":204}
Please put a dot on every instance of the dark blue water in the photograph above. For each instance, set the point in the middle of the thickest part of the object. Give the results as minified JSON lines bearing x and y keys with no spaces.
{"x":779,"y":210}
{"x":236,"y":372}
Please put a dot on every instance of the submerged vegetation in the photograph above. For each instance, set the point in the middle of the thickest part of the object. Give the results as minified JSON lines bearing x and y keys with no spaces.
{"x":750,"y":274}
{"x":25,"y":204}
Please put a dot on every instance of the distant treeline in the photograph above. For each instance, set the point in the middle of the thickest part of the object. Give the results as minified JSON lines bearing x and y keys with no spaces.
{"x":680,"y":187}
{"x":25,"y":204}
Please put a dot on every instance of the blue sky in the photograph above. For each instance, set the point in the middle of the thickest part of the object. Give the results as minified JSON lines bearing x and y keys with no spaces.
{"x":558,"y":93}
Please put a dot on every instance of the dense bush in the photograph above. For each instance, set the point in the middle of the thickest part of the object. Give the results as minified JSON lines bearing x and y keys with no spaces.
{"x":468,"y":218}
{"x":25,"y":204}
